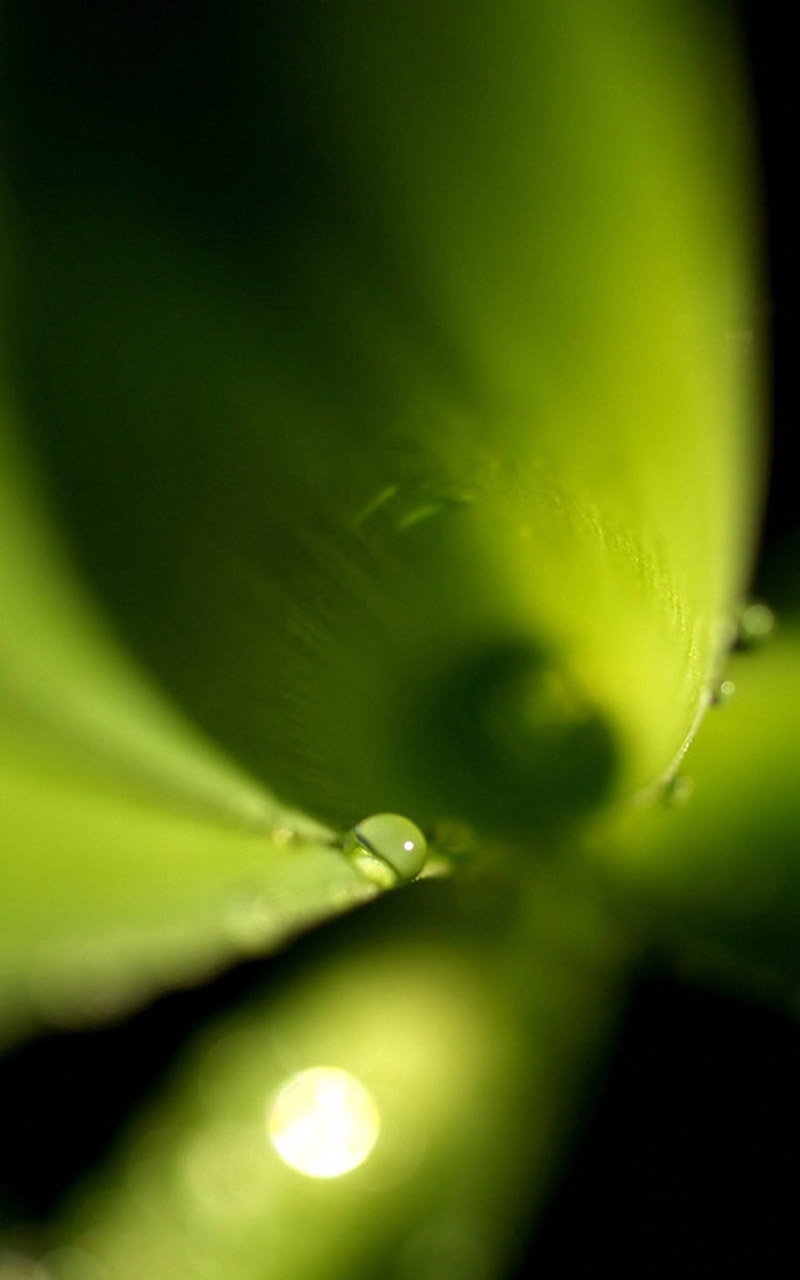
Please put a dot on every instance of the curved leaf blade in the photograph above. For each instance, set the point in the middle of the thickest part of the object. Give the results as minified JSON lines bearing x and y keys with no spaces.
{"x":133,"y":855}
{"x":477,"y":393}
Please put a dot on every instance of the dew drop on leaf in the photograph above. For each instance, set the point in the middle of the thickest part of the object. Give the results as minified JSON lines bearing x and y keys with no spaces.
{"x":722,"y":693}
{"x":755,"y":625}
{"x":677,"y":790}
{"x":387,"y":848}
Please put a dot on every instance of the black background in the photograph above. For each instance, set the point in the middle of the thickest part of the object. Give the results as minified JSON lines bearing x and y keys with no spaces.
{"x":688,"y":1164}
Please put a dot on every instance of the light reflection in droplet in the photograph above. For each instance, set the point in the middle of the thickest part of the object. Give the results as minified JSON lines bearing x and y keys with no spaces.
{"x":323,"y":1123}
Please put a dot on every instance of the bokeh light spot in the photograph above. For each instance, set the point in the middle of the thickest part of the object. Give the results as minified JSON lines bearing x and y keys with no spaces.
{"x":323,"y":1123}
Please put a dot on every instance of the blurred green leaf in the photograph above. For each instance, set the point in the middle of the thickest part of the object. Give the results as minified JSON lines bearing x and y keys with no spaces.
{"x":472,"y":1068}
{"x":719,"y":874}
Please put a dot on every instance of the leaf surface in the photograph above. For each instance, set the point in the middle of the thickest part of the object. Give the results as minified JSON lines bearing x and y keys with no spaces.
{"x":397,"y":412}
{"x":718,"y":876}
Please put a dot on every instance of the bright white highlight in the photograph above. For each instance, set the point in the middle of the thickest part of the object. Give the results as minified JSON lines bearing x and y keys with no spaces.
{"x":323,"y":1122}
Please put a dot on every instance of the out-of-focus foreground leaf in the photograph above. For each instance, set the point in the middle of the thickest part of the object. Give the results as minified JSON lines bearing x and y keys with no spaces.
{"x":471,"y":1061}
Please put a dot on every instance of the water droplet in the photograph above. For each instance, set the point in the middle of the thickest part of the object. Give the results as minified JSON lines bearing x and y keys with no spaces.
{"x":387,"y":848}
{"x":284,"y":835}
{"x":755,"y":625}
{"x":677,"y":790}
{"x":723,"y":693}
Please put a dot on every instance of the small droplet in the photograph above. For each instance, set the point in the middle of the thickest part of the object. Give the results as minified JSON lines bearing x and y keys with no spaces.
{"x":387,"y":848}
{"x":755,"y":625}
{"x":283,"y":836}
{"x":677,"y":790}
{"x":723,"y":693}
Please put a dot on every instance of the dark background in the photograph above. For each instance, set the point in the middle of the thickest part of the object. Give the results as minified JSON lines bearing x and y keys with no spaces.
{"x":688,"y":1163}
{"x":772,"y":52}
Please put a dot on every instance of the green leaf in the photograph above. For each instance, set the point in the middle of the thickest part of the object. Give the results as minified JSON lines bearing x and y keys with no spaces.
{"x":392,"y":411}
{"x":107,"y":900}
{"x":473,"y":1073}
{"x":717,"y":877}
{"x":67,"y":684}
{"x":134,"y":855}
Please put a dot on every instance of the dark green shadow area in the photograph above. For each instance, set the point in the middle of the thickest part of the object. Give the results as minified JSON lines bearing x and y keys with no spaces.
{"x":218,"y":352}
{"x":516,"y":747}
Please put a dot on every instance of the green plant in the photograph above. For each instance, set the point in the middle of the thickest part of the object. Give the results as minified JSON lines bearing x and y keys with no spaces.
{"x":376,"y":443}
